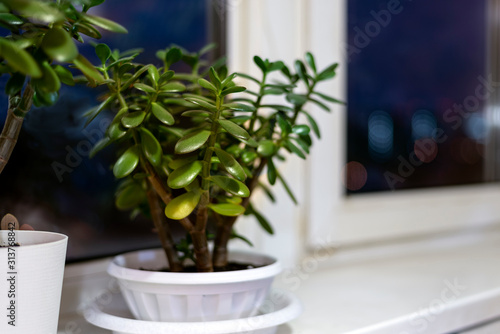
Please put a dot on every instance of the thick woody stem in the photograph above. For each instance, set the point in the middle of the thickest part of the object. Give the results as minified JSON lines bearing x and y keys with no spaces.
{"x":163,"y":230}
{"x":13,"y":125}
{"x":159,"y":186}
{"x":225,"y":226}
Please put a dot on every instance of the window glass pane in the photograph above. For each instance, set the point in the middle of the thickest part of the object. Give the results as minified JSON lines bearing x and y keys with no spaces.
{"x":50,"y":182}
{"x":418,"y":84}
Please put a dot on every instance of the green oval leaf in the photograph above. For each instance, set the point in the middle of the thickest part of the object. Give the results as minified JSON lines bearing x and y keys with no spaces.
{"x":19,"y":59}
{"x":38,"y":10}
{"x":328,"y":98}
{"x":64,"y":75}
{"x":58,"y":45}
{"x":227,"y":209}
{"x":100,"y":145}
{"x":301,"y":130}
{"x":172,"y":87}
{"x":301,"y":71}
{"x":310,"y":61}
{"x":214,"y":77}
{"x":231,"y":185}
{"x":235,"y":89}
{"x":266,"y":148}
{"x":197,"y":113}
{"x":87,"y":69}
{"x":45,"y":99}
{"x":103,"y":52}
{"x":179,"y":162}
{"x":49,"y":82}
{"x":10,"y":19}
{"x":296,"y":98}
{"x":294,"y":149}
{"x":166,"y":76}
{"x":153,"y":73}
{"x":328,"y":73}
{"x":239,"y":107}
{"x":145,"y":88}
{"x":261,"y":219}
{"x":248,"y":156}
{"x":260,"y":63}
{"x":184,"y":175}
{"x":207,"y":84}
{"x":162,"y":114}
{"x":234,"y":129}
{"x":130,"y":197}
{"x":284,"y":124}
{"x":192,"y":142}
{"x":202,"y":103}
{"x":230,"y":164}
{"x":271,"y":172}
{"x":151,"y":147}
{"x":87,"y":29}
{"x":173,"y":55}
{"x":127,"y":162}
{"x":116,"y":132}
{"x":182,"y":206}
{"x":133,"y":119}
{"x":276,"y":66}
{"x":313,"y":124}
{"x":105,"y":24}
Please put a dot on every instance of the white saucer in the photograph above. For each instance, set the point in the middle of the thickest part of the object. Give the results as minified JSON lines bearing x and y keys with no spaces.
{"x":279,"y":308}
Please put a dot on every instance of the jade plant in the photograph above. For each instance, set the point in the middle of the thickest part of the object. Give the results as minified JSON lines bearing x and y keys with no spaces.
{"x":192,"y":146}
{"x":40,"y":39}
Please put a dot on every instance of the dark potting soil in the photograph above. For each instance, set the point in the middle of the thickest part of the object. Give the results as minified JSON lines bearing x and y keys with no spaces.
{"x":231,"y":266}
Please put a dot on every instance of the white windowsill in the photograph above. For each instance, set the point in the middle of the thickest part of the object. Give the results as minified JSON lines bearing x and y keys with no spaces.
{"x":385,"y":289}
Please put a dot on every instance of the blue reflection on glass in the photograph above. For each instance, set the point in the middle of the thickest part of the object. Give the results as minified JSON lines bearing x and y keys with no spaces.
{"x":476,"y":127}
{"x":423,"y":124}
{"x":380,"y":135}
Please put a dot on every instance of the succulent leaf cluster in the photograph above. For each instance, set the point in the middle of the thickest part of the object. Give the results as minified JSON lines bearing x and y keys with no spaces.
{"x":199,"y":140}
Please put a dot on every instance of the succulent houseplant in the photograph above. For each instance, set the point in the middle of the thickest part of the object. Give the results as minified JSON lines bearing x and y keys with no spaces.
{"x":40,"y":35}
{"x":191,"y":146}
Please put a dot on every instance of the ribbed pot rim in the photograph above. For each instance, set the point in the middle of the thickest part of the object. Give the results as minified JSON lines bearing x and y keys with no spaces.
{"x":120,"y":269}
{"x":33,"y":238}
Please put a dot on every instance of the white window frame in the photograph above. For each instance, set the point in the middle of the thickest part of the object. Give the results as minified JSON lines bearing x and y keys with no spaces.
{"x":287,"y":29}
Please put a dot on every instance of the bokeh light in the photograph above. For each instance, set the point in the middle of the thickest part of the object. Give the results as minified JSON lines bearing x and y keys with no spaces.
{"x":423,"y":124}
{"x":425,"y":149}
{"x":380,"y":135}
{"x":476,"y":127}
{"x":354,"y":175}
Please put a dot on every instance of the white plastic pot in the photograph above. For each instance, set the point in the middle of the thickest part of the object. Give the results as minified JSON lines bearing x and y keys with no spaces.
{"x":31,"y":281}
{"x":192,"y":297}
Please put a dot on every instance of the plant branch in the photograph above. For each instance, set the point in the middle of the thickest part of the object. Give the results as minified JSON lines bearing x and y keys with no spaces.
{"x":159,"y":186}
{"x":164,"y":233}
{"x":225,"y":226}
{"x":13,"y":124}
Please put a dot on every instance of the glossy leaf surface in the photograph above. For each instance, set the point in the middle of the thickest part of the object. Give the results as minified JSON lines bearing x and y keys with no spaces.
{"x":192,"y":142}
{"x":151,"y":147}
{"x":227,"y":209}
{"x":231,"y":185}
{"x":127,"y":162}
{"x":230,"y":164}
{"x":162,"y":114}
{"x":184,"y":175}
{"x":182,"y":206}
